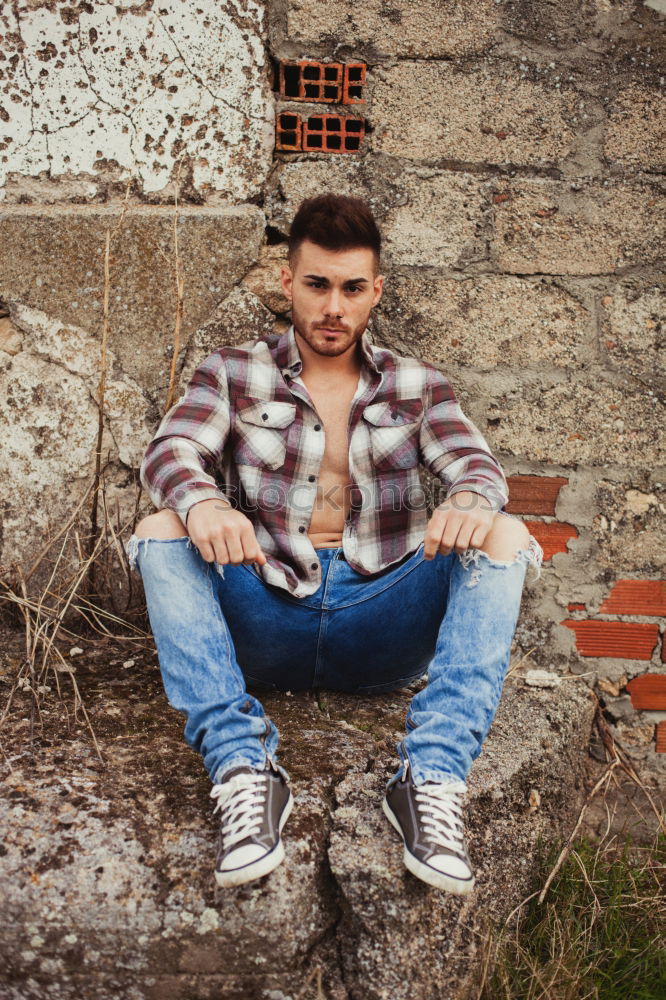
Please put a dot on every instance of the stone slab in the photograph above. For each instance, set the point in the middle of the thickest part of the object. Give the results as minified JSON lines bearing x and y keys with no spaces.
{"x":107,"y":867}
{"x":632,"y":331}
{"x":636,"y":133}
{"x":52,"y":259}
{"x":559,"y":228}
{"x":427,"y":29}
{"x":49,"y":425}
{"x":428,"y":217}
{"x":439,"y":111}
{"x":630,"y":524}
{"x":592,"y":420}
{"x":483,"y":322}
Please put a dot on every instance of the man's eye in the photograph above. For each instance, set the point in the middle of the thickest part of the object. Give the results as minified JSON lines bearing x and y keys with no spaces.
{"x":354,"y":288}
{"x":315,"y":284}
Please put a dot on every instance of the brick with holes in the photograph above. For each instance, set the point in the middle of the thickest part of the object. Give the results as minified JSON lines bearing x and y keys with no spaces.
{"x":354,"y":81}
{"x":332,"y":134}
{"x":289,"y":132}
{"x":307,"y":80}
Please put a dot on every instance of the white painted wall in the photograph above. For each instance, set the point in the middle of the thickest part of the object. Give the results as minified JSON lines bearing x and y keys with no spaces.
{"x":161,"y":81}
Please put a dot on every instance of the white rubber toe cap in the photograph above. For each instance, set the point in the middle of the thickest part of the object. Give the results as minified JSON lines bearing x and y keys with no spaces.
{"x":448,"y":865}
{"x":242,"y":856}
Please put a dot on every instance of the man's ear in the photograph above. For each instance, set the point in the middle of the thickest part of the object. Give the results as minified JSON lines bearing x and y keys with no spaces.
{"x":287,"y":280}
{"x":378,"y":286}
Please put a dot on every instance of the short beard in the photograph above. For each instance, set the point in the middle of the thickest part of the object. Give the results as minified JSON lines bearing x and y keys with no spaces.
{"x":334,"y":349}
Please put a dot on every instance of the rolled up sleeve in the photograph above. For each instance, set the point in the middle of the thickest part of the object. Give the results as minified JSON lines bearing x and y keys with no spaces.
{"x":188,"y":444}
{"x":454,"y":450}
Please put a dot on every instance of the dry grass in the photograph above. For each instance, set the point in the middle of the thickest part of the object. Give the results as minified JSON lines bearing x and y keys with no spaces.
{"x":79,"y":589}
{"x":61,"y":612}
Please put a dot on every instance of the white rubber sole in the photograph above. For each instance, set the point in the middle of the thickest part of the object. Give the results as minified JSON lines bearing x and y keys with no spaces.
{"x":424,"y":872}
{"x":262,"y":866}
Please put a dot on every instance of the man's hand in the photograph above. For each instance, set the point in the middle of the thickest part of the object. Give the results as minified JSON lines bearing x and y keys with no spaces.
{"x":459,"y":523}
{"x":222,"y":534}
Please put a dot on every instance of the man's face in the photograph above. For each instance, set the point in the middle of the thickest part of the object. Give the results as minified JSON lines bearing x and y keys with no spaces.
{"x":332,"y":295}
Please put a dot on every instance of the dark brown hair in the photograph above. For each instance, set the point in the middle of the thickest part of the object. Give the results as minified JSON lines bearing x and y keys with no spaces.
{"x":335,"y":222}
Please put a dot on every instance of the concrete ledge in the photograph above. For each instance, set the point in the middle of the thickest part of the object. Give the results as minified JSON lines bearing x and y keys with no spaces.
{"x":106,"y":868}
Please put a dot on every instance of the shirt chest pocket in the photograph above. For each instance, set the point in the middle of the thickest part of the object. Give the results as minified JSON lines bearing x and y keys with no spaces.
{"x":394,"y":433}
{"x":260,"y":432}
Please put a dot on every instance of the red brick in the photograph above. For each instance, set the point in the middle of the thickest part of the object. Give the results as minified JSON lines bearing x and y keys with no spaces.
{"x":663,"y":648}
{"x":660,"y":737}
{"x":289,"y":132}
{"x":311,"y":81}
{"x":575,"y":607}
{"x":648,"y":692}
{"x":626,"y":640}
{"x":636,"y":597}
{"x":332,"y":134}
{"x":534,"y":494}
{"x":552,"y":537}
{"x":353,"y":83}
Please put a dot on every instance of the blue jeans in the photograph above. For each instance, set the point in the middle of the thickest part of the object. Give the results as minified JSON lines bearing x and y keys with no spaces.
{"x":218,"y":629}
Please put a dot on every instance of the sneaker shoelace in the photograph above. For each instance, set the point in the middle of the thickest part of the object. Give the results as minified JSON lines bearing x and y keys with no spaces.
{"x":440,"y":811}
{"x":241,"y":804}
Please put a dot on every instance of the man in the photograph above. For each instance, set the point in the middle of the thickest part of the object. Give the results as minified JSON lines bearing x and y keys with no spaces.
{"x":292,"y":548}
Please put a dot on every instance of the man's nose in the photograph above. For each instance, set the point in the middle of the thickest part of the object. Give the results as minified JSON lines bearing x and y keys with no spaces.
{"x":334,"y":305}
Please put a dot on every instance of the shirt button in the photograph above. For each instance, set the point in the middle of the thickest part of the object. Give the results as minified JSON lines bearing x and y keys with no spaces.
{"x":264,"y":416}
{"x":311,"y":479}
{"x":314,"y":566}
{"x":317,"y":427}
{"x":301,"y":529}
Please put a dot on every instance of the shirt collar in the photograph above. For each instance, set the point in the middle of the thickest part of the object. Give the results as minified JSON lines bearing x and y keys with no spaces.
{"x":289,"y":362}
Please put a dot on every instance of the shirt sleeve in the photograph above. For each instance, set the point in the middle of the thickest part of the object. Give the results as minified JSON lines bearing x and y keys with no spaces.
{"x":189,"y":442}
{"x":454,"y":450}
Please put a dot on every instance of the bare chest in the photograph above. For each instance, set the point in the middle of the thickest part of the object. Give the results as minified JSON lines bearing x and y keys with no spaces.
{"x":333,"y":403}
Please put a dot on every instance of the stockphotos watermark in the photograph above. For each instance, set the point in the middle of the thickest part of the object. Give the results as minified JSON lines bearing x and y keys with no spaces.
{"x":298,"y":498}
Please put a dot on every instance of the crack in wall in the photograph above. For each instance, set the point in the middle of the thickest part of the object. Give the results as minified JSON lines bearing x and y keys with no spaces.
{"x":197,"y":78}
{"x":124,"y":80}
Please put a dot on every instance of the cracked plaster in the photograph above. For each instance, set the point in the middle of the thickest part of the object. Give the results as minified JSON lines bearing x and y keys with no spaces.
{"x":49,"y":418}
{"x":141,"y":85}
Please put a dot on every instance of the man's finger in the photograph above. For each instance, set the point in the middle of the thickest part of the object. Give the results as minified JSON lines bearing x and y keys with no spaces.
{"x":431,"y":543}
{"x":463,"y":540}
{"x":479,"y":536}
{"x":450,"y":535}
{"x":234,"y":546}
{"x":251,"y":550}
{"x":205,"y":550}
{"x":221,"y":551}
{"x":254,"y":554}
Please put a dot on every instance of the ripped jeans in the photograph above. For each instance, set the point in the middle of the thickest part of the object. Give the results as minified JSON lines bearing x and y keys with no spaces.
{"x":218,"y":629}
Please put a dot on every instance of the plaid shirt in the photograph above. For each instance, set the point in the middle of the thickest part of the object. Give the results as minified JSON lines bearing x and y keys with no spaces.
{"x":246,"y":430}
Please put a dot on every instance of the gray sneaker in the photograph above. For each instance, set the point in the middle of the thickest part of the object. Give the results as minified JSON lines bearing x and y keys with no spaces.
{"x":254,"y":806}
{"x":428,"y":817}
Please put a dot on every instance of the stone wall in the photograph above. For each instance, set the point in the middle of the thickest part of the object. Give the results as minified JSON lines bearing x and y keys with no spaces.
{"x":514,"y":154}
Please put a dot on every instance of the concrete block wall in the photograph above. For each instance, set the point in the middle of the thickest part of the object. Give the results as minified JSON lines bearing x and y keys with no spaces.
{"x":514,"y":155}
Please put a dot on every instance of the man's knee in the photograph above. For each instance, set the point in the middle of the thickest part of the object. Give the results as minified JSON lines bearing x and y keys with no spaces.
{"x":507,"y":537}
{"x":163,"y":524}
